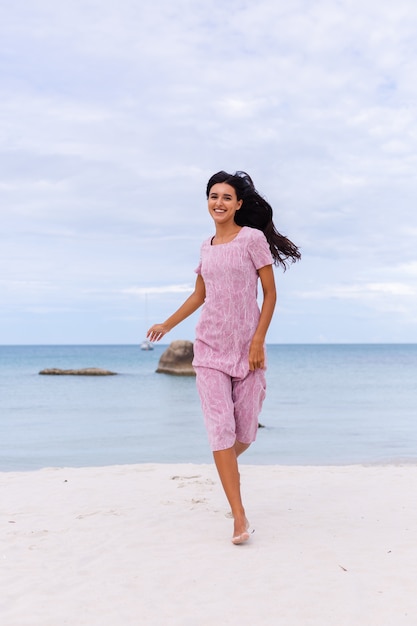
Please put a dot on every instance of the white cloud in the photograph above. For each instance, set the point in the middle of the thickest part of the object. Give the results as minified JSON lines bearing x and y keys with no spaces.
{"x":363,"y":292}
{"x":393,"y":289}
{"x":162,"y":289}
{"x":408,"y":268}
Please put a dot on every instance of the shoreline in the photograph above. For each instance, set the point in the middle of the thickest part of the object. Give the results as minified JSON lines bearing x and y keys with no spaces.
{"x":150,"y":544}
{"x":400,"y":462}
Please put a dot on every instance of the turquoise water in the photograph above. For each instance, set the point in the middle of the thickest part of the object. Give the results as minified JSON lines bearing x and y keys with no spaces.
{"x":326,"y":404}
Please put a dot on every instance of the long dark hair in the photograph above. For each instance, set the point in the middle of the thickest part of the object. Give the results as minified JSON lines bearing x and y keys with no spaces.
{"x":256,"y":212}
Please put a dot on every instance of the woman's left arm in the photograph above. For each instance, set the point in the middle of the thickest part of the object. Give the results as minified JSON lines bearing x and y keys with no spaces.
{"x":256,"y":350}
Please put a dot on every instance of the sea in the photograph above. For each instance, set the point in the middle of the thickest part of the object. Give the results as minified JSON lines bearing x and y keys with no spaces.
{"x":325,"y":405}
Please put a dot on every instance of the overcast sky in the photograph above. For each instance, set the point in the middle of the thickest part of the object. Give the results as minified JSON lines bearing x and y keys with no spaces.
{"x":113,"y":115}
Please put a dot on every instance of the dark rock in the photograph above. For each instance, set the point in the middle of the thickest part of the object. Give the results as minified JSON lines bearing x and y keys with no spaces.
{"x":87,"y":371}
{"x":177,"y":359}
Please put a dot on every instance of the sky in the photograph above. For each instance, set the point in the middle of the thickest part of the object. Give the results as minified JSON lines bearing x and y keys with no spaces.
{"x":113,"y":116}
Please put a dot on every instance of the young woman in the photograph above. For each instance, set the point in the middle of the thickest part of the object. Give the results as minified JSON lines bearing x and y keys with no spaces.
{"x":229,"y":349}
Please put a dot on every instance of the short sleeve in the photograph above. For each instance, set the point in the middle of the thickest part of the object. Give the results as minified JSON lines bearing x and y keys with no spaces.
{"x":204,"y":247}
{"x":198,"y":268}
{"x":259,"y":250}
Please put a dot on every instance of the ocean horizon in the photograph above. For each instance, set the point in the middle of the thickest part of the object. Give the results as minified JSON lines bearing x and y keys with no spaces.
{"x":326,"y":404}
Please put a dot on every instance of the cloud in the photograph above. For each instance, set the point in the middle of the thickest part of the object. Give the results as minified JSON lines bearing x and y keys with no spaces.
{"x":360,"y":291}
{"x":408,"y":268}
{"x":160,"y":290}
{"x":394,"y":289}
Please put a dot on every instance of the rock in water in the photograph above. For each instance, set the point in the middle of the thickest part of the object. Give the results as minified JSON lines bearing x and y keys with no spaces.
{"x":177,"y":359}
{"x":87,"y":371}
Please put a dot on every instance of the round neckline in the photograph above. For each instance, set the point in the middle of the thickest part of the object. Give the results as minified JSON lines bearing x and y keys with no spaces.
{"x":226,"y":243}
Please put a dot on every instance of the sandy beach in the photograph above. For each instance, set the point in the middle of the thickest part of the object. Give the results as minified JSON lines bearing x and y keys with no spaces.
{"x":150,"y":544}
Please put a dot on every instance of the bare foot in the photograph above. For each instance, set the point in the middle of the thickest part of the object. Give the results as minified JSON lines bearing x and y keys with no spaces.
{"x":241,"y":533}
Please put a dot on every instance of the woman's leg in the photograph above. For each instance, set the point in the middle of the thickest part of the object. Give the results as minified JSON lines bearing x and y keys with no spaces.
{"x":215,"y":390}
{"x":227,"y":467}
{"x":248,"y":395}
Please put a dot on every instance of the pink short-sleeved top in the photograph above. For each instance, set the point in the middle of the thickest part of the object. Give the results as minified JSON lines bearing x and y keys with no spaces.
{"x":230,"y":312}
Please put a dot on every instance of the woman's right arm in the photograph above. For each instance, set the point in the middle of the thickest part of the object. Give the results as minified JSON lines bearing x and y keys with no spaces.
{"x":193,"y":302}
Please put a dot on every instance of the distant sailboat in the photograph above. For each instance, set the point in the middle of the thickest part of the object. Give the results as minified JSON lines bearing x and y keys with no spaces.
{"x":146,"y":344}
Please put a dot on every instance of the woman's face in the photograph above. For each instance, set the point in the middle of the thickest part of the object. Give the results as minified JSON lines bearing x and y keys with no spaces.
{"x":223,"y":203}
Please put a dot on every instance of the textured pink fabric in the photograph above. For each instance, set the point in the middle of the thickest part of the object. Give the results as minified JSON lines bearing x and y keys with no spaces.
{"x":230,"y":313}
{"x":231,"y":406}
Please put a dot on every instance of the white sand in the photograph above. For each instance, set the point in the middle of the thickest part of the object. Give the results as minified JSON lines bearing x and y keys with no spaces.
{"x":150,"y":544}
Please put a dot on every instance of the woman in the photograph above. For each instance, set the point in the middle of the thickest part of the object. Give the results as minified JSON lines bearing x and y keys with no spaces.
{"x":229,"y":349}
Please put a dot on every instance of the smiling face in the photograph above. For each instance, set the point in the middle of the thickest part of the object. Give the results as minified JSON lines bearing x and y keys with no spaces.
{"x":223,"y":203}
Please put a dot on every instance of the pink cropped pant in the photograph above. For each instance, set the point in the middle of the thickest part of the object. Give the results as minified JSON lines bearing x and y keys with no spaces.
{"x":231,"y":406}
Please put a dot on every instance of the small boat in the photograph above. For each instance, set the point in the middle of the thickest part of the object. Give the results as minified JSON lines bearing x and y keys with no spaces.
{"x":146,"y":345}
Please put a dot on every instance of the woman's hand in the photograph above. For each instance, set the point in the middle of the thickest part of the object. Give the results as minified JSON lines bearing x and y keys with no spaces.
{"x":156,"y":332}
{"x":256,"y":355}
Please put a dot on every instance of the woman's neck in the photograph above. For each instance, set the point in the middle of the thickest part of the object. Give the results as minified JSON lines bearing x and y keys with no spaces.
{"x":225,"y":233}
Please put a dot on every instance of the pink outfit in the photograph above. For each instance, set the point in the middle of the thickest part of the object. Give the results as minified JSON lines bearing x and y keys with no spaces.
{"x":231,"y":402}
{"x":231,"y":406}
